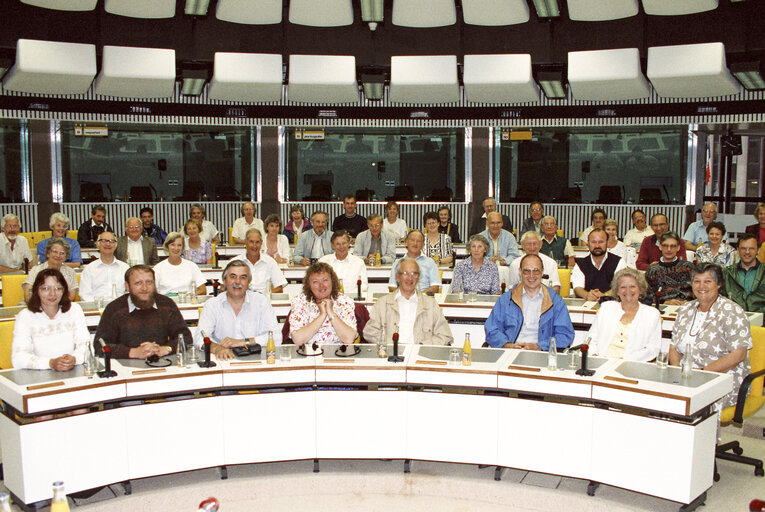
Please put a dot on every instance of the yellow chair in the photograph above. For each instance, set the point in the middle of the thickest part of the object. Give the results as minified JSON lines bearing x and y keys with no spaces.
{"x":746,"y":405}
{"x":559,"y":233}
{"x":39,"y":236}
{"x":71,"y":233}
{"x":565,"y":281}
{"x":230,"y":240}
{"x":6,"y":342}
{"x":12,"y":292}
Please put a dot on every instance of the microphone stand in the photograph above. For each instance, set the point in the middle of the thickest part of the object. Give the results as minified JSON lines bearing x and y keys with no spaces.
{"x":583,"y":371}
{"x":207,"y":363}
{"x":358,"y":290}
{"x":107,"y":371}
{"x":395,"y":358}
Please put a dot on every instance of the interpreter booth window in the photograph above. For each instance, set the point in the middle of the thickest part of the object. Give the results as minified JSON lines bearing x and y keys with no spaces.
{"x":130,"y":162}
{"x":617,"y":166}
{"x":14,"y":158}
{"x":376,"y":164}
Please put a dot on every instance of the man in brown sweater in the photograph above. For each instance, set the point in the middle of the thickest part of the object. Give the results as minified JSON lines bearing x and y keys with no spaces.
{"x":141,"y":323}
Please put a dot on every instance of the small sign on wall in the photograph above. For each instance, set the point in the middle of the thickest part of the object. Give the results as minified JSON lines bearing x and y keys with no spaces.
{"x":91,"y":131}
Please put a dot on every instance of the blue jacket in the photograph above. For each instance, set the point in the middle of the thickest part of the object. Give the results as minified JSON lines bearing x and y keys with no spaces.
{"x":506,"y":319}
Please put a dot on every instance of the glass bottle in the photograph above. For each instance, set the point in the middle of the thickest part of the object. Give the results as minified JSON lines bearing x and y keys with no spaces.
{"x":193,"y":292}
{"x":181,"y":351}
{"x":552,"y":355}
{"x":59,"y":503}
{"x":686,"y":365}
{"x":270,"y":349}
{"x":267,"y":290}
{"x":382,"y":345}
{"x":378,"y":260}
{"x":114,"y":291}
{"x":467,"y":351}
{"x":90,"y":365}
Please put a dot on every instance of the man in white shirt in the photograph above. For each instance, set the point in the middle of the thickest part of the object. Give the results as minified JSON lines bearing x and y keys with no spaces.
{"x":415,"y":316}
{"x":244,"y":224}
{"x":105,"y":274}
{"x":262,"y":266}
{"x":135,"y":249}
{"x":696,"y":234}
{"x":634,"y":237}
{"x":592,"y":274}
{"x":237,"y":317}
{"x":14,"y":248}
{"x":531,"y":243}
{"x":348,"y":267}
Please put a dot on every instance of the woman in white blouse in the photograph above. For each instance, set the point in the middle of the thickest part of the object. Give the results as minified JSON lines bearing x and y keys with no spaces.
{"x":614,"y":245}
{"x":209,"y":231}
{"x":276,"y":245}
{"x":392,"y":223}
{"x":625,"y":328}
{"x":51,"y":332}
{"x":176,"y":274}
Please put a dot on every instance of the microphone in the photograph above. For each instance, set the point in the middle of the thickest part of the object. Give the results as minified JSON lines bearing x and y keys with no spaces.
{"x":358,"y":290}
{"x":583,"y":371}
{"x":107,"y":350}
{"x":215,"y":285}
{"x":395,"y":358}
{"x":208,"y":343}
{"x":503,"y":286}
{"x":657,"y":296}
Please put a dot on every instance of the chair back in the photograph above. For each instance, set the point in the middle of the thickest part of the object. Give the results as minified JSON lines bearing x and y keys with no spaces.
{"x":71,"y":233}
{"x":6,"y":343}
{"x":565,"y":281}
{"x":757,"y":359}
{"x":12,"y":292}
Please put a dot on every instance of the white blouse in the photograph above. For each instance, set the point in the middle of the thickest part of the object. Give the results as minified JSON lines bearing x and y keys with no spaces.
{"x":177,"y":278}
{"x":398,"y":228}
{"x":37,"y":338}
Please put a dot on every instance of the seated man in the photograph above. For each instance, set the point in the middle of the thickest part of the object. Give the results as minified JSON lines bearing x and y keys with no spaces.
{"x":14,"y":249}
{"x":598,"y":217}
{"x":558,"y":248}
{"x":238,"y":316}
{"x":375,"y":241}
{"x":314,"y":243}
{"x":416,"y":317}
{"x":348,"y":267}
{"x":89,"y":230}
{"x":262,"y":266}
{"x":534,"y":221}
{"x":696,"y":234}
{"x":350,"y":221}
{"x":650,"y":252}
{"x":635,"y":236}
{"x":530,"y":315}
{"x":744,"y":283}
{"x":59,"y":223}
{"x":430,"y":279}
{"x":100,"y":277}
{"x":141,"y":323}
{"x":503,"y":248}
{"x":592,"y":275}
{"x":531,"y":243}
{"x":481,"y":224}
{"x":136,"y":249}
{"x":670,"y":276}
{"x":151,"y":230}
{"x":245,"y":223}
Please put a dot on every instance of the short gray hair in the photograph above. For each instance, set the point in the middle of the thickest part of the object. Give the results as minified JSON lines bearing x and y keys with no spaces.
{"x":401,"y":262}
{"x":549,"y":217}
{"x":529,"y":233}
{"x":58,"y":217}
{"x":10,"y":216}
{"x":237,"y":263}
{"x":634,"y":274}
{"x":479,"y":238}
{"x":253,"y":230}
{"x":57,"y":241}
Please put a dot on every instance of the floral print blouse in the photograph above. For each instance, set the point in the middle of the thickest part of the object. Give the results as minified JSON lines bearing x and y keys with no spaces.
{"x":303,"y":313}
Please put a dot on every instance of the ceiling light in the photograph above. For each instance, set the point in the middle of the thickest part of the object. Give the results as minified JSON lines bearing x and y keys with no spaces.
{"x":372,"y":10}
{"x":552,"y":83}
{"x":196,"y":7}
{"x":547,"y":8}
{"x":750,"y":74}
{"x":193,"y":81}
{"x":373,"y":83}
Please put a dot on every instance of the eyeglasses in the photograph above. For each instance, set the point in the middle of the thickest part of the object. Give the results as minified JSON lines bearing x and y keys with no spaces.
{"x":107,"y":241}
{"x":58,"y":253}
{"x":531,"y":271}
{"x":56,"y":289}
{"x":410,"y":274}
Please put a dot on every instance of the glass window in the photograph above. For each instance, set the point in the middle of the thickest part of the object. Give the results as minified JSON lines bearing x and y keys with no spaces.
{"x":13,"y":161}
{"x":575,"y":165}
{"x":376,"y":164}
{"x":151,"y":163}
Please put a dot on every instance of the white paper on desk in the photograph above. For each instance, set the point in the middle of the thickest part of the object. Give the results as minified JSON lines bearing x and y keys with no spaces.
{"x":670,"y":310}
{"x":590,"y":304}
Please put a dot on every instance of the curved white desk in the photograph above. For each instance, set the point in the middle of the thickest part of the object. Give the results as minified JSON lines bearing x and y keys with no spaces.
{"x":630,"y":425}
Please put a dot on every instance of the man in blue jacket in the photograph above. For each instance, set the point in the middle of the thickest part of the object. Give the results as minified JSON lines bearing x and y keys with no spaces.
{"x":530,"y":314}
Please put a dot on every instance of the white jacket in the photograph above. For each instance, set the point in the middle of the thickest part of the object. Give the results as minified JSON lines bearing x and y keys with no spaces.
{"x":645,"y":331}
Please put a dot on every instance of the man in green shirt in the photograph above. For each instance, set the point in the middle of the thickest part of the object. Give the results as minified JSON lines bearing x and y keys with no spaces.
{"x":744,"y":282}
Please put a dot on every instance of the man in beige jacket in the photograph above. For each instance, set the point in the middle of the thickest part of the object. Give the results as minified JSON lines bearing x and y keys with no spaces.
{"x":416,"y":317}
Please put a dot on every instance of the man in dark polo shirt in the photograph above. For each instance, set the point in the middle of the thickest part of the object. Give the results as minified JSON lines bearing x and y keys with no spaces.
{"x":592,"y":275}
{"x":350,"y":221}
{"x":141,"y":323}
{"x":650,"y":252}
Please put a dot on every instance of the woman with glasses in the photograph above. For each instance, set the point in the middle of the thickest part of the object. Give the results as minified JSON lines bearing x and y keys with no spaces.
{"x":51,"y":332}
{"x":56,"y":253}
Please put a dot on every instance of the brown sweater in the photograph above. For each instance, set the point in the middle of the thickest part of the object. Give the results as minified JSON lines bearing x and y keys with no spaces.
{"x":123,"y":330}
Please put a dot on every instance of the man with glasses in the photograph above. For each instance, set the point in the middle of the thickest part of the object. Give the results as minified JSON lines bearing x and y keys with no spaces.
{"x":14,"y":249}
{"x":530,"y":315}
{"x":413,"y":315}
{"x":650,"y":252}
{"x":531,"y":243}
{"x":534,"y":222}
{"x":429,"y":278}
{"x":245,"y":223}
{"x":314,"y":243}
{"x":696,"y":234}
{"x":100,"y":277}
{"x":744,"y":283}
{"x":136,"y":249}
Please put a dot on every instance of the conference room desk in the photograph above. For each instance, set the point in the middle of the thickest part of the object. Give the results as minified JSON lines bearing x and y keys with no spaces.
{"x":630,"y":425}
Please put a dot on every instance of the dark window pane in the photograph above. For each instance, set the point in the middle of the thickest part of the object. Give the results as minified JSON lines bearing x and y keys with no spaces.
{"x":10,"y":161}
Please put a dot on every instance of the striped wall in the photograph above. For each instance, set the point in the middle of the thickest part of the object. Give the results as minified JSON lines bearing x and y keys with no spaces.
{"x":169,"y":215}
{"x":26,"y":212}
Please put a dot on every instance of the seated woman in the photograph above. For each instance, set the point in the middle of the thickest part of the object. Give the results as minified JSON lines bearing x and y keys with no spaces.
{"x":613,"y":244}
{"x":670,"y":277}
{"x":56,"y":253}
{"x":321,"y":314}
{"x":209,"y":231}
{"x":276,"y":245}
{"x":397,"y":227}
{"x":624,"y":327}
{"x":715,"y":328}
{"x":446,"y":226}
{"x":297,"y":224}
{"x":175,"y":274}
{"x":51,"y":332}
{"x":436,"y":243}
{"x":476,"y":274}
{"x":717,"y":249}
{"x":198,"y":250}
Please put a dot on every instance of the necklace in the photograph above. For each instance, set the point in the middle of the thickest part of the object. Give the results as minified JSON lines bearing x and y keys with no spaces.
{"x":690,"y":329}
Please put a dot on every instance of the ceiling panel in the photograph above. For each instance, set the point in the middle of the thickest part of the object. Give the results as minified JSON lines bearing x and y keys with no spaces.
{"x":607,"y":75}
{"x":250,"y":12}
{"x":602,"y":10}
{"x":136,"y":72}
{"x":152,"y":9}
{"x":252,"y":77}
{"x":499,"y":79}
{"x":495,"y":12}
{"x":48,"y":67}
{"x":424,"y":13}
{"x":424,"y":79}
{"x":324,"y":13}
{"x":675,"y":7}
{"x":323,"y":79}
{"x":690,"y":71}
{"x":63,"y":5}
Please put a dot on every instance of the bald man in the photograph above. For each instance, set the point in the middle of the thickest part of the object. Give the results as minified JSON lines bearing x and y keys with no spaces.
{"x":134,"y":248}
